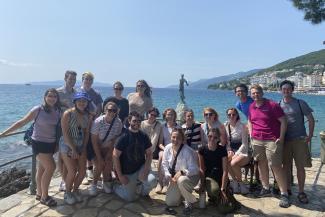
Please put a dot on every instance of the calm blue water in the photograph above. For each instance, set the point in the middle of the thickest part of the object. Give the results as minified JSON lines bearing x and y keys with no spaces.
{"x":17,"y":100}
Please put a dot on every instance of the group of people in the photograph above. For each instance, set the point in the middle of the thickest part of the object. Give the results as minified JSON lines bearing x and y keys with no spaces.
{"x":118,"y":137}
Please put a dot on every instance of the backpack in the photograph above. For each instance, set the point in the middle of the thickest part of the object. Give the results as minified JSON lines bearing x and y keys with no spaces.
{"x":29,"y":132}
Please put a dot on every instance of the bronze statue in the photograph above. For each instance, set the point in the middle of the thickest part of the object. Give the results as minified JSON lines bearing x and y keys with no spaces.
{"x":181,"y":88}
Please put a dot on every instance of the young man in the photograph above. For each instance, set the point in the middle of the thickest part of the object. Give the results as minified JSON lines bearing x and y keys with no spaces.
{"x":95,"y":109}
{"x":66,"y":94}
{"x":296,"y":139}
{"x":241,"y":91}
{"x":67,"y":91}
{"x":267,"y":126}
{"x":132,"y":157}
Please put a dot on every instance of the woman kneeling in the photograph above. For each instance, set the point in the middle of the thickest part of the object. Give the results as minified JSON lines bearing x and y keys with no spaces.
{"x":181,"y":169}
{"x":104,"y":133}
{"x":214,"y":173}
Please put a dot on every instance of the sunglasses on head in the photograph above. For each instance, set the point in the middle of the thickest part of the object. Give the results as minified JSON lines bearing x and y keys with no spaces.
{"x":208,"y":114}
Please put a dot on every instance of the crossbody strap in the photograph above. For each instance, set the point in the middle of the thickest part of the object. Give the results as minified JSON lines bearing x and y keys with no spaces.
{"x":109,"y":129}
{"x":175,"y":161}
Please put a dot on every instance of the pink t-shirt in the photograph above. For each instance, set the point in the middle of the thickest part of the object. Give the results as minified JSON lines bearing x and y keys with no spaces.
{"x":264,"y":120}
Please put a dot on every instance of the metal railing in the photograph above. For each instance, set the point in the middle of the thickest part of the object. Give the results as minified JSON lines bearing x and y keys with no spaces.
{"x":32,"y":185}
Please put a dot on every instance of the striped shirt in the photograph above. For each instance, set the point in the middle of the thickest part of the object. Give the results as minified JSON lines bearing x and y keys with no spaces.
{"x":100,"y":127}
{"x":193,"y":135}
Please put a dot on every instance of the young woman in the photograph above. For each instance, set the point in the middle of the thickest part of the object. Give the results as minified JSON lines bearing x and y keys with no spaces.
{"x":153,"y":128}
{"x":120,"y":101}
{"x":46,"y":119}
{"x":214,"y":171}
{"x":181,"y":171}
{"x":169,"y":116}
{"x":212,"y":122}
{"x":141,"y":100}
{"x":194,"y":135}
{"x":237,"y":148}
{"x":75,"y":128}
{"x":104,"y":132}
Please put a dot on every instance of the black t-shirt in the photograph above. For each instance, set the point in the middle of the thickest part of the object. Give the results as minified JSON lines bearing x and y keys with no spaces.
{"x":213,"y":161}
{"x":123,"y":104}
{"x":133,"y":147}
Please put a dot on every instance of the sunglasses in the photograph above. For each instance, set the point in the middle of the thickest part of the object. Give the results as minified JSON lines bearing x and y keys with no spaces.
{"x":231,"y":115}
{"x":111,"y":110}
{"x":208,"y":114}
{"x":153,"y":114}
{"x":140,"y":85}
{"x":212,"y":137}
{"x":118,"y":88}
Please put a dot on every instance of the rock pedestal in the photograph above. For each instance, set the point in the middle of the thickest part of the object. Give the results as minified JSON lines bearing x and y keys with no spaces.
{"x":180,"y":109}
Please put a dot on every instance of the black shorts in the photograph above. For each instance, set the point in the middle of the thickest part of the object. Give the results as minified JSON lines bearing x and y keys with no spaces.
{"x":43,"y":147}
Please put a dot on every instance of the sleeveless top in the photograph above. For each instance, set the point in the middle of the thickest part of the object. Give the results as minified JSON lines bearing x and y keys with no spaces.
{"x":75,"y":131}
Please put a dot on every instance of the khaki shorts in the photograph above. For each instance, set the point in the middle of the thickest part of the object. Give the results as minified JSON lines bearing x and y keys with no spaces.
{"x":270,"y":150}
{"x":298,"y":150}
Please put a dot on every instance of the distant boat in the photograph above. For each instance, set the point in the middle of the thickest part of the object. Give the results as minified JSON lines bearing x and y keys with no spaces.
{"x":28,"y":84}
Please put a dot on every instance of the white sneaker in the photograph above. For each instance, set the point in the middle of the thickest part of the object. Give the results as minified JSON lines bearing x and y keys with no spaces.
{"x":243,"y":188}
{"x":62,"y":186}
{"x":235,"y":187}
{"x":89,"y":174}
{"x":92,"y":190}
{"x":69,"y":198}
{"x":107,"y":186}
{"x":77,"y":195}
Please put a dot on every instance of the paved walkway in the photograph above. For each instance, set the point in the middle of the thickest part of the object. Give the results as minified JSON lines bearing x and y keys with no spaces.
{"x":22,"y":204}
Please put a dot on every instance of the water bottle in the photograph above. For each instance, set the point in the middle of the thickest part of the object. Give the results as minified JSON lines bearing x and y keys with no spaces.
{"x":202,"y":198}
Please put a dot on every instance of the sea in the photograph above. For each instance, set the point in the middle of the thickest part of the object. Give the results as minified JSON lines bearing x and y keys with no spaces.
{"x":17,"y":100}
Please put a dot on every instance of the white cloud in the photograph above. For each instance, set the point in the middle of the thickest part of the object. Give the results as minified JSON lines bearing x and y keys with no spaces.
{"x":14,"y":64}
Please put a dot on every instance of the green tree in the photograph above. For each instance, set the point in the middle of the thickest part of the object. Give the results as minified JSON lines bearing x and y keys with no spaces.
{"x":314,"y":9}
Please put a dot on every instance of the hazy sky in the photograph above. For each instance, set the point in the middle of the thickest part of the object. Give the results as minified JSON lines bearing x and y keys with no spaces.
{"x":156,"y":40}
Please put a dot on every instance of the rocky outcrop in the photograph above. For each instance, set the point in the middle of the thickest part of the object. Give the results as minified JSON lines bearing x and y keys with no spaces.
{"x":12,"y":181}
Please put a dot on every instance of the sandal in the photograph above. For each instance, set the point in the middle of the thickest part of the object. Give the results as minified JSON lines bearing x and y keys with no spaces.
{"x":38,"y":197}
{"x":170,"y":211}
{"x":302,"y":197}
{"x":49,"y":201}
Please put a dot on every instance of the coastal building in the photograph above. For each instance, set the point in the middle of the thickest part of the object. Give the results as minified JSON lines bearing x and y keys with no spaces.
{"x":297,"y":79}
{"x":313,"y":80}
